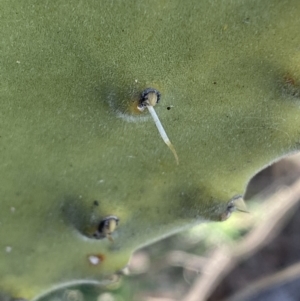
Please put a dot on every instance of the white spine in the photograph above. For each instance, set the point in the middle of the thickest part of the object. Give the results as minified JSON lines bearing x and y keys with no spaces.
{"x":162,"y":132}
{"x":159,"y":125}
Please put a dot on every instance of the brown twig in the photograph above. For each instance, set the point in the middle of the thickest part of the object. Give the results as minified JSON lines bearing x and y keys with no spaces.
{"x":283,"y":276}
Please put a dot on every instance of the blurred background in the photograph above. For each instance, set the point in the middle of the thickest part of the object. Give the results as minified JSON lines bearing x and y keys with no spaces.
{"x":252,"y":256}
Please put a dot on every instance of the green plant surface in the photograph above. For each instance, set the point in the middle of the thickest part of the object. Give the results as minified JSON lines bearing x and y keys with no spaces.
{"x":71,"y":72}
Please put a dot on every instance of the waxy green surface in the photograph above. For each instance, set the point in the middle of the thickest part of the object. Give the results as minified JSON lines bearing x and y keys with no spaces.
{"x":70,"y":71}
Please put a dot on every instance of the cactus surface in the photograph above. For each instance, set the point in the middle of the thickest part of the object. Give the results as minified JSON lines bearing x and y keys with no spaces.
{"x":71,"y":75}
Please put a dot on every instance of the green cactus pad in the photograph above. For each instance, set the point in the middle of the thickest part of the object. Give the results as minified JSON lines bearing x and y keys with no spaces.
{"x":71,"y":75}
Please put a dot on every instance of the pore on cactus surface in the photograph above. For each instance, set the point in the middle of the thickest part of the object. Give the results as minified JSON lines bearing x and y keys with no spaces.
{"x":76,"y":151}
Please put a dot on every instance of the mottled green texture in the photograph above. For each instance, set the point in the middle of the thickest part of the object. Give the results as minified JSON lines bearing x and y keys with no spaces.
{"x":68,"y":68}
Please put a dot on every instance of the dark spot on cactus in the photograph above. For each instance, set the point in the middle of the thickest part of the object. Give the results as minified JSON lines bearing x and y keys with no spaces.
{"x":231,"y":207}
{"x":246,"y":20}
{"x":215,"y":83}
{"x":148,"y":99}
{"x":106,"y":227}
{"x":168,"y":108}
{"x":147,"y":91}
{"x":96,"y":203}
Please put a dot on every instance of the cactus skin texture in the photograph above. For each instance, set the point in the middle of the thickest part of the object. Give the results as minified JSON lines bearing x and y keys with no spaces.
{"x":70,"y":134}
